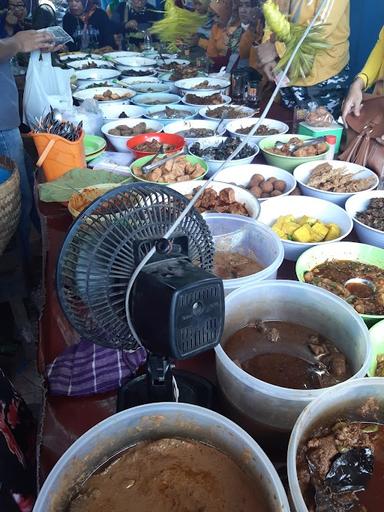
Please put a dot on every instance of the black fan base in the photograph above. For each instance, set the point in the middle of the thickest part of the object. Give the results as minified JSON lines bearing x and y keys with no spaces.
{"x":193,"y":389}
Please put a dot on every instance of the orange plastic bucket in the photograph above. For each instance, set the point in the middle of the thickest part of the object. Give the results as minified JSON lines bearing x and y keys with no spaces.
{"x":62,"y":156}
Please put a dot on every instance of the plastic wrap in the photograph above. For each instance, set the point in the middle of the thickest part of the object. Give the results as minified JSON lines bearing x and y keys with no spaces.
{"x":319,"y":117}
{"x":89,"y":113}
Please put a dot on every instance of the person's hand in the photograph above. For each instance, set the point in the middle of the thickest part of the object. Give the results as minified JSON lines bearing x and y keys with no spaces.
{"x":132,"y":25}
{"x":353,"y":101}
{"x":268,"y":70}
{"x":266,"y":53}
{"x":30,"y":40}
{"x":10,"y":18}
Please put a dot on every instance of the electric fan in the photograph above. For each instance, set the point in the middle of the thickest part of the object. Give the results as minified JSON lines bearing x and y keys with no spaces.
{"x":176,"y":305}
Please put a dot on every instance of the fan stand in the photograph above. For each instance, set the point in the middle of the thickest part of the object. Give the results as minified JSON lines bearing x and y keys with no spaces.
{"x":156,"y":385}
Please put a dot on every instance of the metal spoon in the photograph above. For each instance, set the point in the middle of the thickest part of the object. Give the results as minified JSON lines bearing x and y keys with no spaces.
{"x":365,"y":285}
{"x":293,"y":147}
{"x":146,"y":169}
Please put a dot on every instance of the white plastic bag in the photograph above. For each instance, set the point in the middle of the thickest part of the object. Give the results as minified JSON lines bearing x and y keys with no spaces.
{"x":45,"y":86}
{"x":89,"y":113}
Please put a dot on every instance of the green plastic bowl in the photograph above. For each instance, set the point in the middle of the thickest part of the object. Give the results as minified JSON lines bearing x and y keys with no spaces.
{"x":376,"y":334}
{"x":289,"y":163}
{"x":142,"y":161}
{"x":342,"y":251}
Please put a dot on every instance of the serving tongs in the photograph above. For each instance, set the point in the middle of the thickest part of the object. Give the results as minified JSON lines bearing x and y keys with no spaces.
{"x":293,"y":147}
{"x":148,"y":167}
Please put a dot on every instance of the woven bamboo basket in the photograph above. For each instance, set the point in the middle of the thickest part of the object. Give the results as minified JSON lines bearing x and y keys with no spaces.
{"x":10,"y":203}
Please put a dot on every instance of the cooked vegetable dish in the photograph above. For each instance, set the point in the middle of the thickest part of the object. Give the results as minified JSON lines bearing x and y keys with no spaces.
{"x":196,"y":133}
{"x":231,"y":265}
{"x":122,"y":130}
{"x":108,"y":95}
{"x":264,"y":188}
{"x":153,"y":146}
{"x":262,"y":130}
{"x":305,"y":229}
{"x":223,"y":150}
{"x":170,"y":113}
{"x":288,"y":355}
{"x":315,"y":149}
{"x":180,"y":72}
{"x":373,"y":216}
{"x":226,"y":112}
{"x":205,"y":84}
{"x":173,"y":171}
{"x":330,"y":179}
{"x":333,"y":275}
{"x":212,"y":99}
{"x":340,"y":465}
{"x":137,"y":72}
{"x":221,"y":202}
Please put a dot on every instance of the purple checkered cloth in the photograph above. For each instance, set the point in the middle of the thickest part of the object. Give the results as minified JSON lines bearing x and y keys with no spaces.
{"x":86,"y":369}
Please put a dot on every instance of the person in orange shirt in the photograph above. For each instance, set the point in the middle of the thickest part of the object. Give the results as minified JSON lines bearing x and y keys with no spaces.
{"x":237,"y":27}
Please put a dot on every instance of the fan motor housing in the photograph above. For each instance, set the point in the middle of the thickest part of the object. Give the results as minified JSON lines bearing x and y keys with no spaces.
{"x":177,"y":308}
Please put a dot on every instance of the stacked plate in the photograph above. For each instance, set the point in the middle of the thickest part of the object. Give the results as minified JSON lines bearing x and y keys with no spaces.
{"x":94,"y":146}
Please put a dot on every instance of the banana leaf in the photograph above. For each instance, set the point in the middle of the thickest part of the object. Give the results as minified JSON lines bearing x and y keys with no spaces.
{"x":60,"y":190}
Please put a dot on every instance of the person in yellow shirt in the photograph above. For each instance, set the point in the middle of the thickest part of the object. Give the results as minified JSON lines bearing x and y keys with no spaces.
{"x":326,"y":85}
{"x":371,"y":74}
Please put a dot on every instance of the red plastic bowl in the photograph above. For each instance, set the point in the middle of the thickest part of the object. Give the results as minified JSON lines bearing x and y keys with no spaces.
{"x":164,"y":138}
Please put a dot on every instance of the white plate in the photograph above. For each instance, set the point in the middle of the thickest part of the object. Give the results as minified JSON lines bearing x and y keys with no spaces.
{"x":129,"y":80}
{"x":119,"y":55}
{"x":96,"y":74}
{"x":179,"y":126}
{"x":79,"y":55}
{"x":149,"y":87}
{"x":151,"y":99}
{"x":113,"y":110}
{"x":100,"y":63}
{"x":135,"y":62}
{"x":190,"y":84}
{"x":165,"y":121}
{"x":235,"y":124}
{"x":91,"y":93}
{"x":225,"y":99}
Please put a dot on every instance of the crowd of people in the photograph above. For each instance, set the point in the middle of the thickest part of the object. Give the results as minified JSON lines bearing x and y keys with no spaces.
{"x":230,"y":29}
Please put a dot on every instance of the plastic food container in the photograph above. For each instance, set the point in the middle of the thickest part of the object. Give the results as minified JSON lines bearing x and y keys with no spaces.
{"x":359,"y":203}
{"x":164,"y":138}
{"x":334,"y":403}
{"x":303,"y":172}
{"x":155,"y":421}
{"x":270,"y":406}
{"x":241,"y":175}
{"x":350,"y":251}
{"x":326,"y":212}
{"x":235,"y":233}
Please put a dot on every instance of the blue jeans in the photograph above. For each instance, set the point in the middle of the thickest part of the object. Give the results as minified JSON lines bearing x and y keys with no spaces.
{"x":11,"y":145}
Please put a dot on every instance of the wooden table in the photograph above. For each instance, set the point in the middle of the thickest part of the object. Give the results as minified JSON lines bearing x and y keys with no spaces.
{"x":67,"y":418}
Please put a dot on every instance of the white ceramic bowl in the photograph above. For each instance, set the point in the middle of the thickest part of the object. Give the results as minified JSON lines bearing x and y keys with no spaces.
{"x":91,"y":93}
{"x":191,"y":84}
{"x":246,"y":111}
{"x":241,"y":195}
{"x":359,"y":203}
{"x":183,"y":125}
{"x":241,"y":175}
{"x":156,"y":99}
{"x":303,"y":171}
{"x":131,"y":80}
{"x":225,"y":99}
{"x":152,"y":113}
{"x":113,"y":110}
{"x":95,"y":74}
{"x":234,"y":125}
{"x":149,"y":87}
{"x":120,"y":143}
{"x":298,"y":206}
{"x":98,"y":63}
{"x":134,"y":62}
{"x":214,"y":165}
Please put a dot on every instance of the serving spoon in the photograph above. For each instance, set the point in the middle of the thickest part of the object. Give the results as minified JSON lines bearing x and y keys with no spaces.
{"x":293,"y":146}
